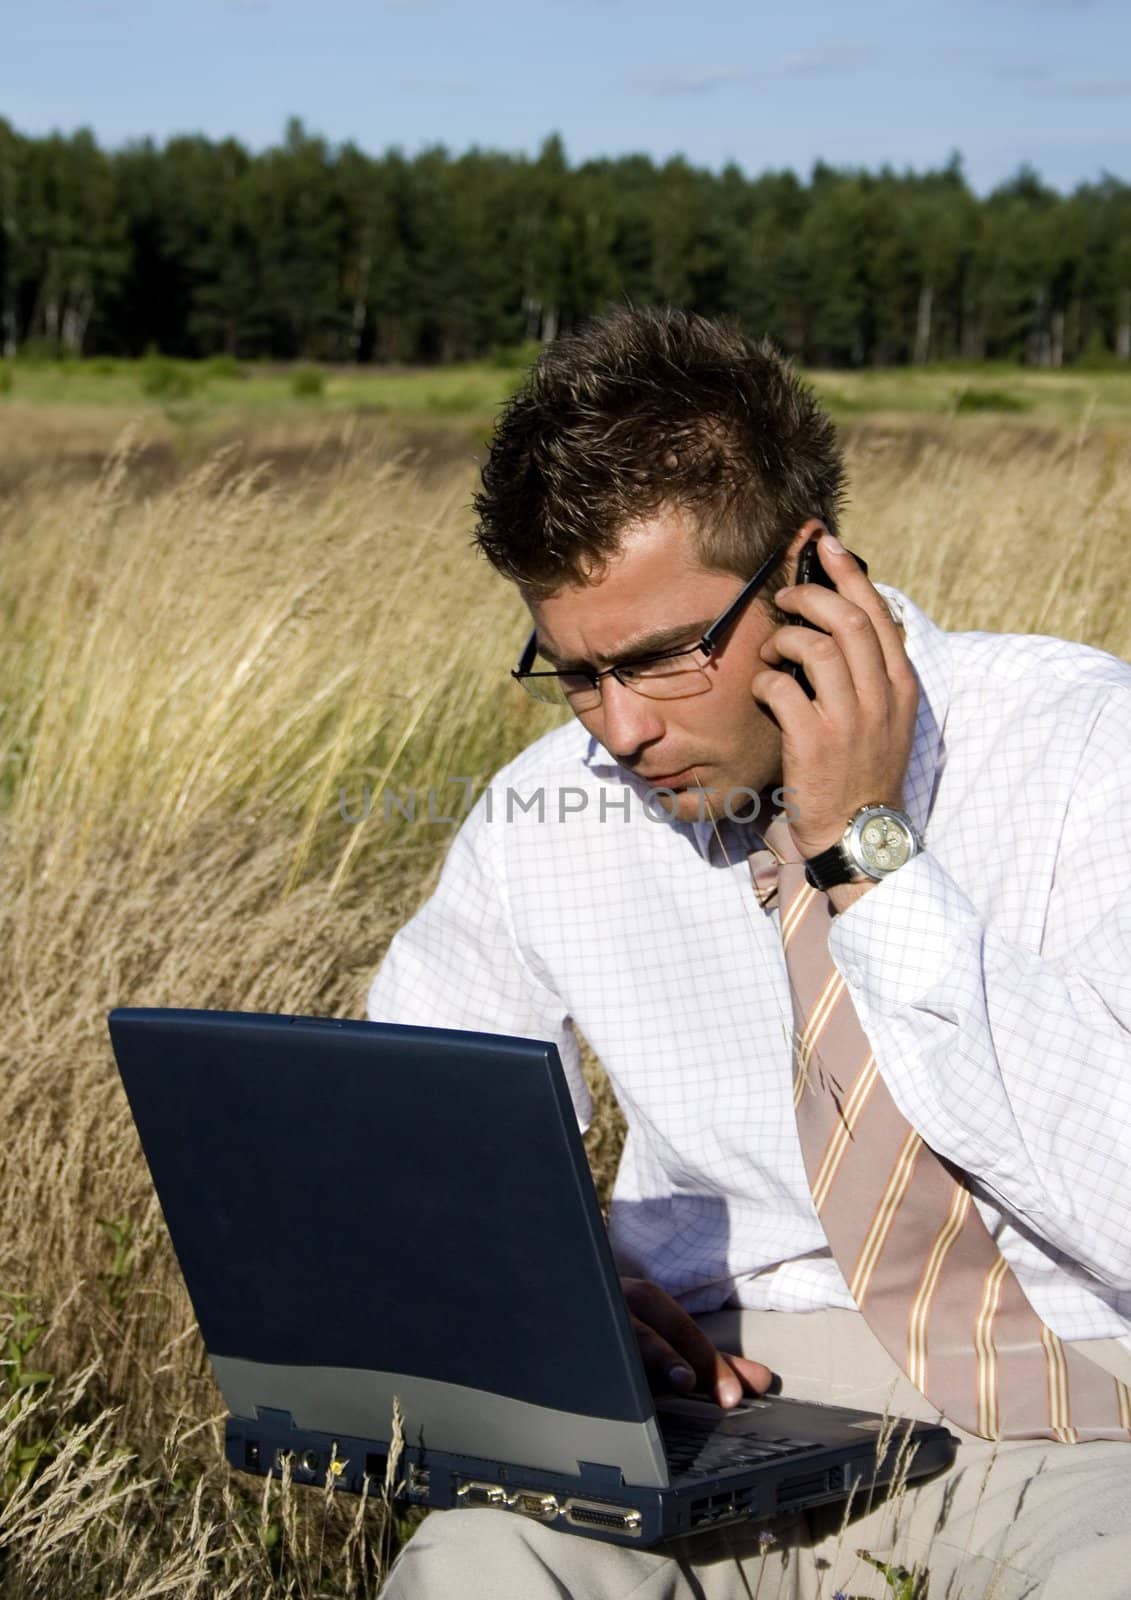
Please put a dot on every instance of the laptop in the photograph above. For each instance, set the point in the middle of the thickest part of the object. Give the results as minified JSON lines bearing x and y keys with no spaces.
{"x":369,"y":1216}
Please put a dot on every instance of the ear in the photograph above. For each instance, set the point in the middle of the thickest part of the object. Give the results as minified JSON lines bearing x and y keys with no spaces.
{"x":809,"y":529}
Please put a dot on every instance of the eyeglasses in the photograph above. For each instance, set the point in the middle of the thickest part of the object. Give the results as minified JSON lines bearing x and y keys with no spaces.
{"x":667,"y":675}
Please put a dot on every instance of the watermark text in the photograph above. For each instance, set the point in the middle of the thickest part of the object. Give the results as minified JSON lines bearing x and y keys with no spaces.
{"x":437,"y":806}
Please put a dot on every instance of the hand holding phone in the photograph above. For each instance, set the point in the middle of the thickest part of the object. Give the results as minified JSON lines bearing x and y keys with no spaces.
{"x":850,"y":744}
{"x":810,"y":570}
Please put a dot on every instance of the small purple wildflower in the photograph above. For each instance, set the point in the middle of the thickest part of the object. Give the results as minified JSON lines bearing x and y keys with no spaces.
{"x":766,"y":1539}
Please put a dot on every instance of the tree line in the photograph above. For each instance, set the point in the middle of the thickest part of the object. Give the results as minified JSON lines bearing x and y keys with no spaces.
{"x":310,"y":250}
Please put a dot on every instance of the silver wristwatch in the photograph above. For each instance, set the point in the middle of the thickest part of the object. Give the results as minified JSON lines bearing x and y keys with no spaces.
{"x":877,"y":842}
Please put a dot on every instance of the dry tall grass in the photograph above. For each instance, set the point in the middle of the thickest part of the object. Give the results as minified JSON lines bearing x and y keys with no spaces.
{"x":189,"y":676}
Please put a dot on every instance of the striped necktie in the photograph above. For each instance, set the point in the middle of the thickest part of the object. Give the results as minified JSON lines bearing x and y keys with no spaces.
{"x":919,"y":1261}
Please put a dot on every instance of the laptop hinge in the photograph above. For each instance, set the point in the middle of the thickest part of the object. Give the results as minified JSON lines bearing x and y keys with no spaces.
{"x":600,"y":1475}
{"x":274,"y":1418}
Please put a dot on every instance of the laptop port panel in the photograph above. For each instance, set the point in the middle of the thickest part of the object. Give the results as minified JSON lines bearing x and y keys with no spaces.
{"x":725,"y":1507}
{"x":482,"y":1494}
{"x":535,"y":1503}
{"x":812,"y":1486}
{"x":596,"y":1514}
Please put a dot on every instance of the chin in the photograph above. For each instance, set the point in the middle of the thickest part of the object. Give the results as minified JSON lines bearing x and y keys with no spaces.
{"x":717,"y":800}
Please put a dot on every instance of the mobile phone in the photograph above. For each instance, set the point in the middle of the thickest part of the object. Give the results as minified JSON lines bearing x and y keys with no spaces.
{"x":810,"y":570}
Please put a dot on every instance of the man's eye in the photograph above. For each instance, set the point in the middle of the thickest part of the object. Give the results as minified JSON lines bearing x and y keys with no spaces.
{"x":574,"y":682}
{"x":640,"y":667}
{"x":664,"y":661}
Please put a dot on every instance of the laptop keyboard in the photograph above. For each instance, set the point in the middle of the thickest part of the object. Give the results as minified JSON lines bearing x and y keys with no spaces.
{"x":698,"y":1449}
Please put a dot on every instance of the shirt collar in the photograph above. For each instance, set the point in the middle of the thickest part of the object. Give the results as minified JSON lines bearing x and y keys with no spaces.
{"x":928,"y":648}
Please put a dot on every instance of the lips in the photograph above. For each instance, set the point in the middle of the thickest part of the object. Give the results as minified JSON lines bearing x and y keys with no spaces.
{"x":669,"y":780}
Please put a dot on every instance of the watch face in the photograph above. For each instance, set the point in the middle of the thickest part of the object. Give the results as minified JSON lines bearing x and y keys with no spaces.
{"x":884,"y":843}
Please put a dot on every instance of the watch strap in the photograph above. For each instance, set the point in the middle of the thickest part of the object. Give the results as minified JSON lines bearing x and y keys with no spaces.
{"x":831,"y":867}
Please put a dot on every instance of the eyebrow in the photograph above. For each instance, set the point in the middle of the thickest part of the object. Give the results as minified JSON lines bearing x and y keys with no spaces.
{"x":649,"y":644}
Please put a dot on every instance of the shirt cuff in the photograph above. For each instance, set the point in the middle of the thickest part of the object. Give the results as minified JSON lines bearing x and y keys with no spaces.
{"x":898,"y":941}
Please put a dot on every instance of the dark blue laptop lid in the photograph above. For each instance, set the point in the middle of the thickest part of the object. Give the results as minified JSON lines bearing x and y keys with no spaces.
{"x":358,"y":1194}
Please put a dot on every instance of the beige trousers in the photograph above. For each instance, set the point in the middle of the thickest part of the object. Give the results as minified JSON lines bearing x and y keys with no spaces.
{"x":1006,"y":1522}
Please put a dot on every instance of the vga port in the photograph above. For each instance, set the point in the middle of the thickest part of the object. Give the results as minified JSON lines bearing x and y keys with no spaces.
{"x":482,"y":1494}
{"x":534,"y":1503}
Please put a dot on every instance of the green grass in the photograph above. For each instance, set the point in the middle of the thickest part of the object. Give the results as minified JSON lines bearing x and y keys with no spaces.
{"x":223,"y":389}
{"x":1066,"y":397}
{"x":258,"y":390}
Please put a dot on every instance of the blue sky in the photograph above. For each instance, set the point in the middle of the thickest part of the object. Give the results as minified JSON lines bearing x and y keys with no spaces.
{"x":1003,"y":81}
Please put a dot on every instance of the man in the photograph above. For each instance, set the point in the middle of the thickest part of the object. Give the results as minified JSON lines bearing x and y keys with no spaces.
{"x":656,"y":869}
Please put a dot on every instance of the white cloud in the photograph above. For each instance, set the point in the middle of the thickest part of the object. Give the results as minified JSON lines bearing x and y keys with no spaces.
{"x":109,"y":10}
{"x":702,"y":81}
{"x":1090,"y":88}
{"x":837,"y":56}
{"x":416,"y":84}
{"x":1024,"y":71}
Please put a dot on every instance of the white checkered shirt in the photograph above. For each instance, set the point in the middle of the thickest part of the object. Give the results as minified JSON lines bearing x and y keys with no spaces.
{"x":991,"y":974}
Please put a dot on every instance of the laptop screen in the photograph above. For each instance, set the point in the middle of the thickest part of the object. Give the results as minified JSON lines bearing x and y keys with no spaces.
{"x":363,"y":1195}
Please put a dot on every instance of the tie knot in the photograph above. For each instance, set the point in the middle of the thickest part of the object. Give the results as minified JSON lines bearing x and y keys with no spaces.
{"x":777,"y":849}
{"x":764,"y":871}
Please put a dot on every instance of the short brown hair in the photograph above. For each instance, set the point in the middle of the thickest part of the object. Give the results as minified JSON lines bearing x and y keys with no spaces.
{"x":646,"y":409}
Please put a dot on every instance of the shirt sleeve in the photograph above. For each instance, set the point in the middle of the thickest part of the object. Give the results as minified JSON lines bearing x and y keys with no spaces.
{"x":458,"y":964}
{"x":1016,"y":1064}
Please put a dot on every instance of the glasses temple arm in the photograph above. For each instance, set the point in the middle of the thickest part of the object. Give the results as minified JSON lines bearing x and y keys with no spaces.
{"x":715,"y":632}
{"x":526,"y":659}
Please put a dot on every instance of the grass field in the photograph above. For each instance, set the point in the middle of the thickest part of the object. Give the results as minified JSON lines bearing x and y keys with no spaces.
{"x":192,"y":390}
{"x":200,"y":649}
{"x":207,"y":395}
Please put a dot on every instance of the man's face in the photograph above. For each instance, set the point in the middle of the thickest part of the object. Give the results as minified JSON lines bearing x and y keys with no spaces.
{"x":652,"y":596}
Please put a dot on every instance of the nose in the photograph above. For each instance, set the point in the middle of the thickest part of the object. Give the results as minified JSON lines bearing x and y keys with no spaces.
{"x":627,"y":720}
